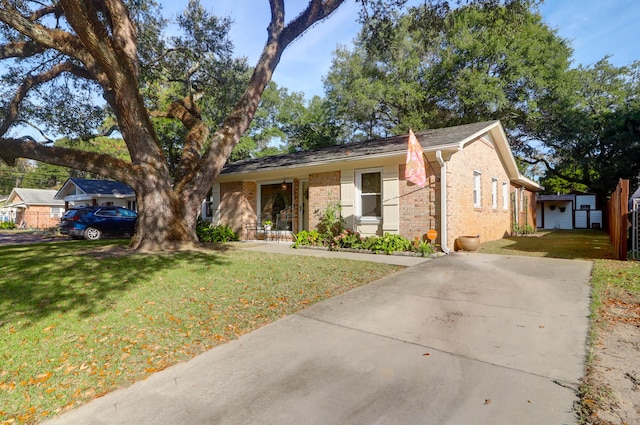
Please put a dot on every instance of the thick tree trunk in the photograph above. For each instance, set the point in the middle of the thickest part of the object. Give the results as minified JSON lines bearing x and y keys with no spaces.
{"x":166,"y":219}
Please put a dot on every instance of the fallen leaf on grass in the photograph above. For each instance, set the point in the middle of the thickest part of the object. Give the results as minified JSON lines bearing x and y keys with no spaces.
{"x":48,"y":328}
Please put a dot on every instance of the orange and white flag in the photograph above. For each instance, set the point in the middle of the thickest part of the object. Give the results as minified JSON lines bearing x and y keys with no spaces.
{"x":415,"y":171}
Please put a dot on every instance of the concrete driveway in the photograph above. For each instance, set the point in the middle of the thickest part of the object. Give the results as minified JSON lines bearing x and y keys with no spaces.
{"x":464,"y":339}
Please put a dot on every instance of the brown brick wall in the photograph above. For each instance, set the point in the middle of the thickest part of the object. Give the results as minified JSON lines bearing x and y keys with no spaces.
{"x":419,"y":207}
{"x":238,"y":202}
{"x":463,"y":218}
{"x":37,"y":217}
{"x":324,"y":188}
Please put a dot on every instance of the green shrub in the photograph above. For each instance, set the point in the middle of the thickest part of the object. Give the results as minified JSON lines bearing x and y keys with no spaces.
{"x":307,"y":238}
{"x":219,"y":233}
{"x":331,"y":222}
{"x":7,"y":225}
{"x":423,"y":247}
{"x":348,"y":238}
{"x":387,"y":243}
{"x":525,"y":229}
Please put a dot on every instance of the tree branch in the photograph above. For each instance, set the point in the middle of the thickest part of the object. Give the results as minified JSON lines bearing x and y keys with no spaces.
{"x":105,"y":165}
{"x":20,"y":49}
{"x":31,"y":82}
{"x":279,"y":37}
{"x":554,"y":171}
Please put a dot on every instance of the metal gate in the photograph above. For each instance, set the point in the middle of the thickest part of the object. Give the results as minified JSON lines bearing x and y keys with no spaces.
{"x":635,"y":229}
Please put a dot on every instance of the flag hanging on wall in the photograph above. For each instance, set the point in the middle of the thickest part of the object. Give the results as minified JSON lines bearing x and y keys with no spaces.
{"x":415,"y":171}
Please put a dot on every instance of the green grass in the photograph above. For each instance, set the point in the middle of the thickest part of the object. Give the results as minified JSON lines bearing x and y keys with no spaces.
{"x":79,"y":319}
{"x":613,"y":283}
{"x":570,"y":244}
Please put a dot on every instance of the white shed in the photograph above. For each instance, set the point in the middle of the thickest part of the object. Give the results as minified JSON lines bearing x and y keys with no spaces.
{"x":571,"y":211}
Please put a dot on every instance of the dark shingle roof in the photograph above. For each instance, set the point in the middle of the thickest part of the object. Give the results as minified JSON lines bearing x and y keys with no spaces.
{"x":102,"y":187}
{"x":429,"y":140}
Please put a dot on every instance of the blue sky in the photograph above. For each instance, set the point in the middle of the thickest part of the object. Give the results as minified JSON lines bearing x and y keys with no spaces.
{"x":595,"y":28}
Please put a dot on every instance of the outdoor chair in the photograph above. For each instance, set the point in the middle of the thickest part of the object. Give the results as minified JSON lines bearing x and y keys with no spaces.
{"x":284,"y":222}
{"x":256,"y":229}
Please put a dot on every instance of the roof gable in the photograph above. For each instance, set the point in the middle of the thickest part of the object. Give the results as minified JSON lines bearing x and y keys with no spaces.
{"x":33,"y":197}
{"x":95,"y":187}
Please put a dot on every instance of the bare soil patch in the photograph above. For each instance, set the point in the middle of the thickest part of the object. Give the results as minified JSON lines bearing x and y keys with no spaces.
{"x":617,"y":363}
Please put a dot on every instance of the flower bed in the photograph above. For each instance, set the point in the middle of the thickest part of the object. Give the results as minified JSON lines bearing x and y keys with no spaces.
{"x":351,"y":241}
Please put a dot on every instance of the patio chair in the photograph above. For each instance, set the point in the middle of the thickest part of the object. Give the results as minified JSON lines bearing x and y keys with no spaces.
{"x":253,"y":229}
{"x":284,"y":222}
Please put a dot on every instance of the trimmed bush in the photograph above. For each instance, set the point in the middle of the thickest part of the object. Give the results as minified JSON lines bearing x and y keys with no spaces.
{"x":220,"y":233}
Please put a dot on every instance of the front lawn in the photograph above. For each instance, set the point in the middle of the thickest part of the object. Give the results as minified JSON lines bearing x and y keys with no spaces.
{"x":79,"y":319}
{"x":615,"y":318}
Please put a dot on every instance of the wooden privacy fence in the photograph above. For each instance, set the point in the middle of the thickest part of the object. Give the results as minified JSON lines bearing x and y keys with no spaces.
{"x":617,"y":218}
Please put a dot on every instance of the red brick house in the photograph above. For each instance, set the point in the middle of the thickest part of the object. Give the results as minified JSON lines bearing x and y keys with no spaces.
{"x":473,"y":187}
{"x":34,"y":208}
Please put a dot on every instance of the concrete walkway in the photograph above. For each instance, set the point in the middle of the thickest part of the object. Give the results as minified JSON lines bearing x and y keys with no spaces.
{"x":464,"y":339}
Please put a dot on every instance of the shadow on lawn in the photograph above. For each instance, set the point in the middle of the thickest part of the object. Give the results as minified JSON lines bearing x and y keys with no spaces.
{"x":567,"y":244}
{"x":83,"y":278}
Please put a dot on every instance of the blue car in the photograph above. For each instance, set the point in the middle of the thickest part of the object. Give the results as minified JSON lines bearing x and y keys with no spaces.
{"x":92,"y":223}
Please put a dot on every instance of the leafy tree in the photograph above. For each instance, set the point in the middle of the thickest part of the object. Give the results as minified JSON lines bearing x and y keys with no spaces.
{"x":266,"y":134}
{"x":286,"y":122}
{"x":438,"y":66}
{"x":60,"y":56}
{"x":591,"y":133}
{"x":315,"y":128}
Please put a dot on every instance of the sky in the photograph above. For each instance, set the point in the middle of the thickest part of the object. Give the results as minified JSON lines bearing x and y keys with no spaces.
{"x":594,"y":28}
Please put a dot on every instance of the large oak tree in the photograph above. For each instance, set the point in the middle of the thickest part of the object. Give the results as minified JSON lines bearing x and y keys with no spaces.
{"x":108,"y":48}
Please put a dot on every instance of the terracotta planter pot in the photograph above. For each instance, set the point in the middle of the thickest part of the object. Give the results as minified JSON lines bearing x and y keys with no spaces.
{"x":468,"y":243}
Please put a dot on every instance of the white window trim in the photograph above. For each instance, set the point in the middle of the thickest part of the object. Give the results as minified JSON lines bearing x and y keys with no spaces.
{"x":358,"y":193}
{"x":505,"y":196}
{"x":494,"y":193}
{"x":477,"y":189}
{"x":56,"y":212}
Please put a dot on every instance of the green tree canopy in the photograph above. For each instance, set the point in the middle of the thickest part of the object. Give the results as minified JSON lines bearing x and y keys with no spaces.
{"x":592,"y":133}
{"x":442,"y":66}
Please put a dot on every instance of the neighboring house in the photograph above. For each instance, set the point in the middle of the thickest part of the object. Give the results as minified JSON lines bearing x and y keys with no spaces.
{"x":570,"y":211}
{"x":5,"y":212}
{"x":75,"y":192}
{"x":34,"y":208}
{"x":634,"y":198}
{"x":473,"y":187}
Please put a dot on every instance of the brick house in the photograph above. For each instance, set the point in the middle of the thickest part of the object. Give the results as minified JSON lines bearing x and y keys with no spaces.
{"x":473,"y":187}
{"x":34,"y":208}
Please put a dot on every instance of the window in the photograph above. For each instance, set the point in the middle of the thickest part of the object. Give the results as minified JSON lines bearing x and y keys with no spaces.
{"x":505,"y":196}
{"x":494,"y":193}
{"x":208,"y":205}
{"x":369,"y":194}
{"x":106,"y":213}
{"x":477,"y":192}
{"x":274,"y":197}
{"x":56,"y":212}
{"x":132,"y":205}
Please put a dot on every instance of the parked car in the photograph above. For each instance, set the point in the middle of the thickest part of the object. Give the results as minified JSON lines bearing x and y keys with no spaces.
{"x":92,"y":223}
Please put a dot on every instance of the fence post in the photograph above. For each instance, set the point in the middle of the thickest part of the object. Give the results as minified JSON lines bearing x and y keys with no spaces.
{"x":618,"y":209}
